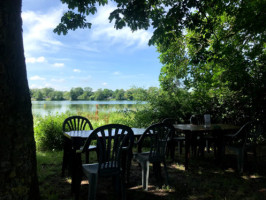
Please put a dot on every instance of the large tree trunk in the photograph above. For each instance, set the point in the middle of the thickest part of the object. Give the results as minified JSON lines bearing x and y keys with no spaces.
{"x":18,"y":176}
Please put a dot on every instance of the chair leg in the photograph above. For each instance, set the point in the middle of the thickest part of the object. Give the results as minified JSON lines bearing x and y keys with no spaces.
{"x":172,"y":151}
{"x":145,"y":174}
{"x":64,"y":164}
{"x":240,"y":161}
{"x":208,"y":146}
{"x":120,"y":186}
{"x":166,"y":173}
{"x":121,"y":180}
{"x":66,"y":157}
{"x":76,"y":178}
{"x":128,"y":167}
{"x":157,"y":171}
{"x":93,"y":179}
{"x":180,"y":145}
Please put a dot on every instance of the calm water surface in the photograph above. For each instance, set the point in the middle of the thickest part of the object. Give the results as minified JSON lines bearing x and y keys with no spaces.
{"x":52,"y":107}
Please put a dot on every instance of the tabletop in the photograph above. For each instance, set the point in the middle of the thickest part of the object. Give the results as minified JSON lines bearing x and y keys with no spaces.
{"x":85,"y":134}
{"x":193,"y":127}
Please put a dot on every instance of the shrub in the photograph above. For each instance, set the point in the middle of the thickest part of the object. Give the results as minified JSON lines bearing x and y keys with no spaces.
{"x":48,"y":131}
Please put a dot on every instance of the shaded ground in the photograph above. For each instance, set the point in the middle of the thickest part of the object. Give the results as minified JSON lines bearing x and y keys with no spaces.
{"x":206,"y":179}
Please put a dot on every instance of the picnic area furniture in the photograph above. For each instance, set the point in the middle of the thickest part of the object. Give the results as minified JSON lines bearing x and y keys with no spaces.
{"x":177,"y":138}
{"x":203,"y":139}
{"x":76,"y":136}
{"x":156,"y":137}
{"x":74,"y":123}
{"x":113,"y":142}
{"x":191,"y":131}
{"x":242,"y":142}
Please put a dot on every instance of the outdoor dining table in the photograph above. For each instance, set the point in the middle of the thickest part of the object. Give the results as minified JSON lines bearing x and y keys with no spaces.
{"x":192,"y":130}
{"x":83,"y":135}
{"x":76,"y":137}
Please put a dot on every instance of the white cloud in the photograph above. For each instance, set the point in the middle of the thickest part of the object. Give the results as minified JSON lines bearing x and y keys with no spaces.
{"x":102,"y":29}
{"x":61,"y":80}
{"x":116,"y":73}
{"x":58,"y":64}
{"x":35,"y":60}
{"x":37,"y":78}
{"x":76,"y":70}
{"x":104,"y":84}
{"x":36,"y":86}
{"x":38,"y":30}
{"x":85,"y":46}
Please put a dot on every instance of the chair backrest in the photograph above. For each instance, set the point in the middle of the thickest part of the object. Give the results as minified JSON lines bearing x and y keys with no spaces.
{"x":76,"y":123}
{"x":112,"y":141}
{"x":170,"y":121}
{"x":240,"y":137}
{"x":197,"y":119}
{"x":158,"y":135}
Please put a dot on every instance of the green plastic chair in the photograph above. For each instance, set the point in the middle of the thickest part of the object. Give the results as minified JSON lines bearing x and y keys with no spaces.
{"x":114,"y":143}
{"x":74,"y":123}
{"x":243,"y":141}
{"x":156,"y":137}
{"x":178,"y":138}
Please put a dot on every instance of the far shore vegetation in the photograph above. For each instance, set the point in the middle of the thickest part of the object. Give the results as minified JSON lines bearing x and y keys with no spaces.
{"x":87,"y":93}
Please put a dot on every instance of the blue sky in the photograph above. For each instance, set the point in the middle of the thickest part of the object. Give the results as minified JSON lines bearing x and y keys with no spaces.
{"x":101,"y":57}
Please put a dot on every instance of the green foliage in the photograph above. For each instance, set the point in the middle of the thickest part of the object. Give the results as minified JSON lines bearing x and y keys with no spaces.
{"x":162,"y":104}
{"x":56,"y":95}
{"x":38,"y":95}
{"x":75,"y":93}
{"x":72,"y":20}
{"x":119,"y":94}
{"x":213,"y":48}
{"x":48,"y":131}
{"x":220,"y":59}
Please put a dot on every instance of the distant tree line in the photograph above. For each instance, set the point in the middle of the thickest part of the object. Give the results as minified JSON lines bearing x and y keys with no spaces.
{"x":79,"y":93}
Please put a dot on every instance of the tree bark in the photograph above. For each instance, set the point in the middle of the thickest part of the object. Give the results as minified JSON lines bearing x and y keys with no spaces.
{"x":18,"y":175}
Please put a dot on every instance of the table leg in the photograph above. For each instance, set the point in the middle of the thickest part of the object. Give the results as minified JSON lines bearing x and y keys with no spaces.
{"x":220,"y":145}
{"x":187,"y":148}
{"x":74,"y":171}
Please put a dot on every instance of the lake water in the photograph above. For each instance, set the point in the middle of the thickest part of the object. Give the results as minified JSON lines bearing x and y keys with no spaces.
{"x":52,"y":107}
